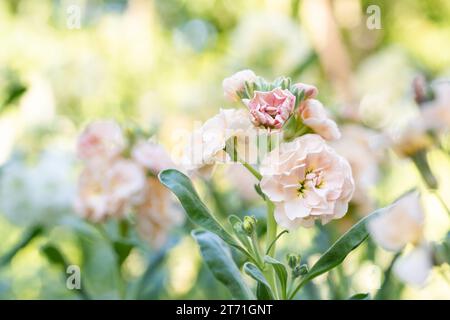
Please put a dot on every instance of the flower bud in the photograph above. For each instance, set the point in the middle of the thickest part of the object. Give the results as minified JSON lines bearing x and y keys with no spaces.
{"x":293,"y":260}
{"x":299,"y":271}
{"x":249,"y":225}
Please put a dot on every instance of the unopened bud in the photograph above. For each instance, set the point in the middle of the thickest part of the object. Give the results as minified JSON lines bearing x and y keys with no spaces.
{"x":293,"y":260}
{"x":249,"y":225}
{"x":300,"y":270}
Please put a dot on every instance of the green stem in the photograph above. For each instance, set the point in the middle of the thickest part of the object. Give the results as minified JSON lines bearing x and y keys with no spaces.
{"x":271,"y":229}
{"x":252,"y":170}
{"x":384,"y":288}
{"x":117,"y":271}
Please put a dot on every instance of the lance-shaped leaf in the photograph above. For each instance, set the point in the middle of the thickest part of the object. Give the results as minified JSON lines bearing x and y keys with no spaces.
{"x":264,"y":291}
{"x":360,"y":296}
{"x":334,"y":256}
{"x":217,"y":257}
{"x":196,"y":210}
{"x":281,"y":272}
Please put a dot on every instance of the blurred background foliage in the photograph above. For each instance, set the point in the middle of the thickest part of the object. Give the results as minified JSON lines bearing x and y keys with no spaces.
{"x":158,"y":65}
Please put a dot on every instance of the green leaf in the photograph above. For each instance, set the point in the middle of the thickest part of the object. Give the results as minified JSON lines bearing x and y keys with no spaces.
{"x":122,"y":249}
{"x":219,"y":260}
{"x":196,"y":210}
{"x":360,"y":296}
{"x":334,"y":256}
{"x":26,"y":239}
{"x":281,"y":272}
{"x":54,"y":256}
{"x":264,"y":291}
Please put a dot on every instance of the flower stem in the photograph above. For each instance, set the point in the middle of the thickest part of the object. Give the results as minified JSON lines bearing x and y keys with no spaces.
{"x":271,"y":229}
{"x":251,"y":169}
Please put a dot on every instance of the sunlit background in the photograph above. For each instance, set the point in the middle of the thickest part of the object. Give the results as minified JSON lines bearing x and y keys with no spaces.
{"x":159,"y":65}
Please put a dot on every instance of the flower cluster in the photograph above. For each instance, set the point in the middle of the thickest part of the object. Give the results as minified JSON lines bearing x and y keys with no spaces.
{"x":302,"y":175}
{"x":112,"y":185}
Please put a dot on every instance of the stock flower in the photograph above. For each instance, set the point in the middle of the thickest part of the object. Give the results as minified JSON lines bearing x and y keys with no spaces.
{"x":271,"y":109}
{"x":236,"y":83}
{"x":399,"y":224}
{"x":156,"y":215}
{"x":310,"y":91}
{"x":436,"y":113}
{"x":152,"y":156}
{"x":101,"y":141}
{"x":412,"y":138}
{"x":361,"y":147}
{"x":315,"y":116}
{"x":415,"y":267}
{"x":109,"y":191}
{"x":206,"y":144}
{"x":306,"y":180}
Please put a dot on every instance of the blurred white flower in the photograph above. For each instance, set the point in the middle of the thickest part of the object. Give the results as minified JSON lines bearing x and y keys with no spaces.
{"x":399,"y":224}
{"x":436,"y":113}
{"x":206,"y":144}
{"x":415,"y":267}
{"x":152,"y":156}
{"x":157,"y":214}
{"x":236,"y":83}
{"x":412,"y":138}
{"x":361,"y":147}
{"x":100,"y":142}
{"x":307,"y":180}
{"x":39,"y":194}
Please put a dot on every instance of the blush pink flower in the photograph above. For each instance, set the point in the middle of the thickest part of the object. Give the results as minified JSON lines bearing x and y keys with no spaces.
{"x":310,"y":91}
{"x":236,"y":83}
{"x":306,"y":180}
{"x":109,"y":192}
{"x":101,"y":141}
{"x":315,"y":116}
{"x":436,"y":113}
{"x":415,"y":267}
{"x":271,"y":109}
{"x":152,"y":156}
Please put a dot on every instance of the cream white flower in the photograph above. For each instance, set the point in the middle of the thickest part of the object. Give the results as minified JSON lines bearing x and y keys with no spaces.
{"x":100,"y":142}
{"x":306,"y":180}
{"x":436,"y":113}
{"x":206,"y":145}
{"x":316,"y":117}
{"x":399,"y":224}
{"x":152,"y":156}
{"x":414,"y":268}
{"x":361,"y":147}
{"x":412,"y":138}
{"x":156,"y":215}
{"x":236,"y":83}
{"x":109,"y":192}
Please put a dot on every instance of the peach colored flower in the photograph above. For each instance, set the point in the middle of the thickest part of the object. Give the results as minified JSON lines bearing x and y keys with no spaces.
{"x":152,"y":156}
{"x":101,"y":141}
{"x":109,"y":192}
{"x":306,"y":180}
{"x":157,"y":214}
{"x":399,"y":224}
{"x":315,"y":116}
{"x":415,"y":267}
{"x":361,"y":147}
{"x":310,"y":91}
{"x":271,"y":109}
{"x":206,"y":144}
{"x":236,"y":83}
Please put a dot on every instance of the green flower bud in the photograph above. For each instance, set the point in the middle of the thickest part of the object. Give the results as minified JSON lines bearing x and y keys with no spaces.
{"x":249,"y":225}
{"x":293,"y":260}
{"x":300,"y":270}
